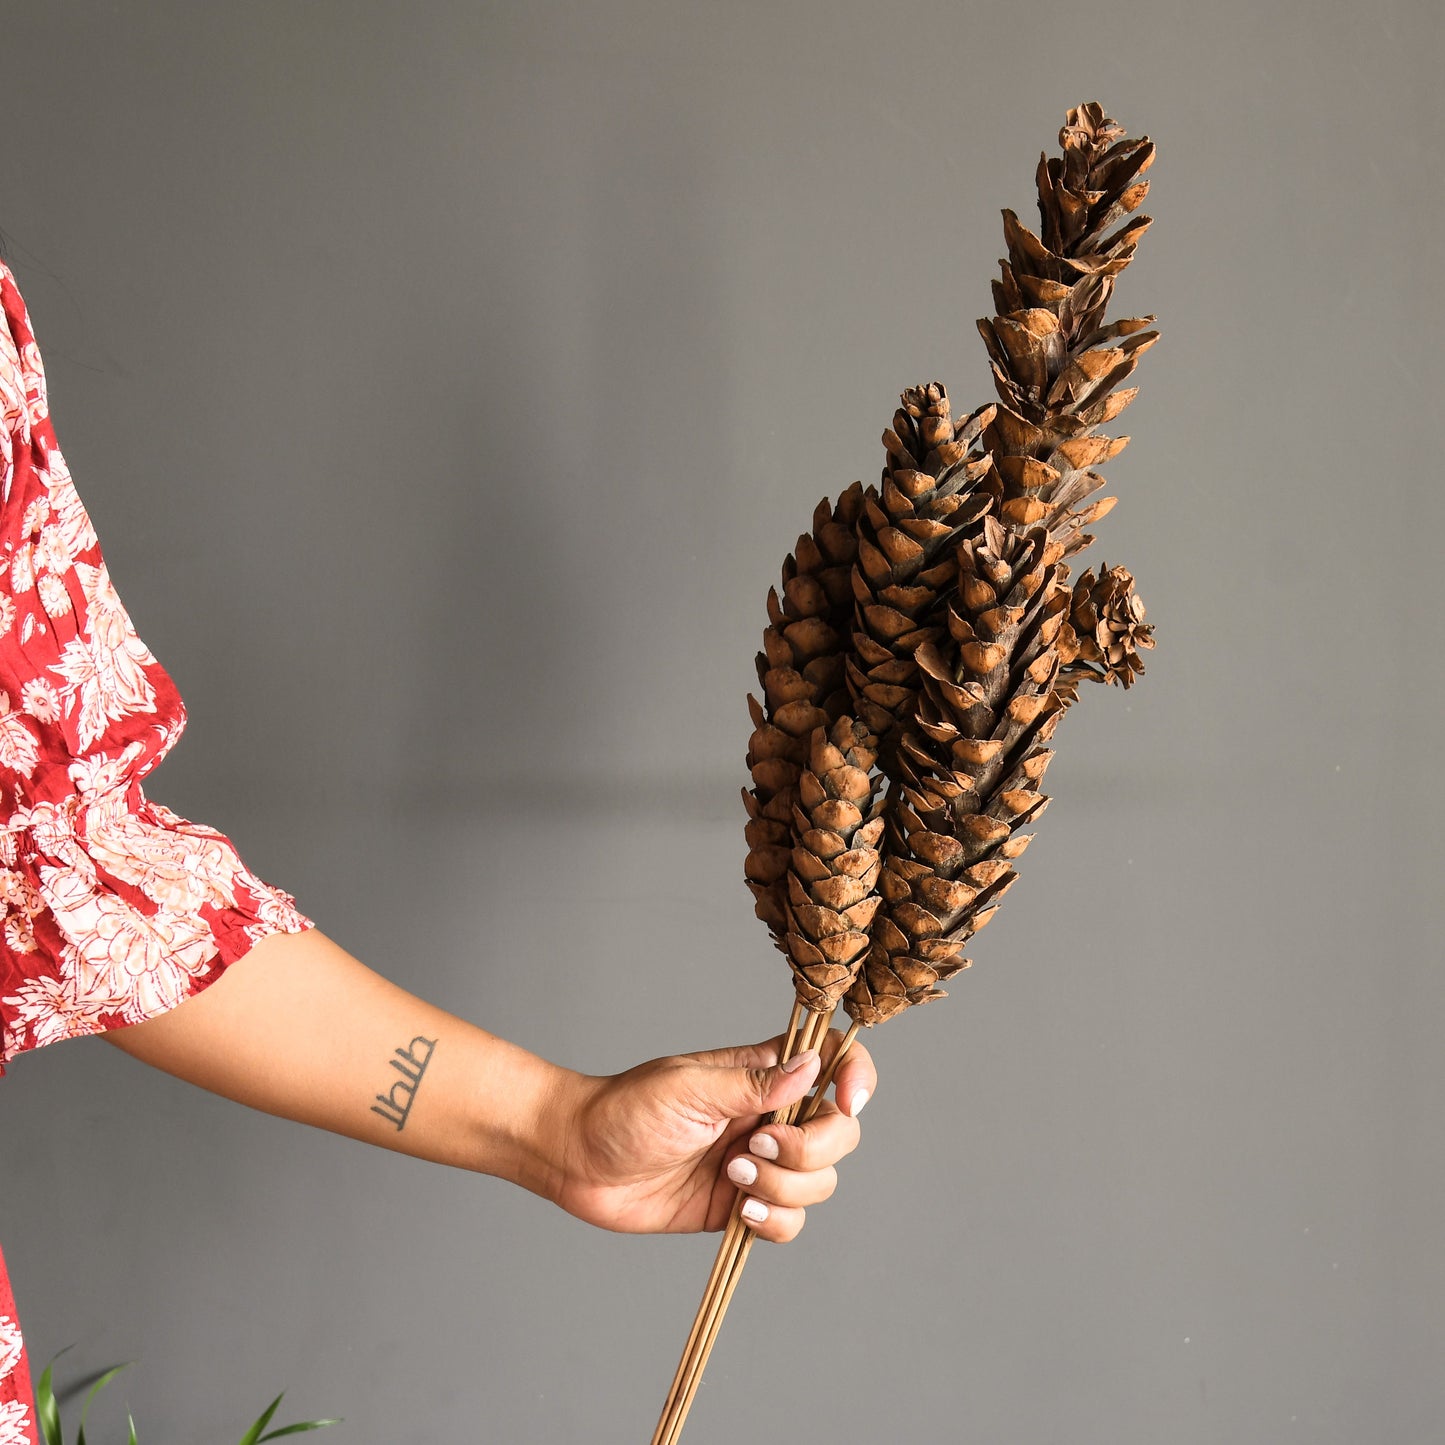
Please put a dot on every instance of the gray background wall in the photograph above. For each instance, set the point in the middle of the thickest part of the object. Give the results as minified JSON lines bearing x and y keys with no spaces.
{"x":446,"y":383}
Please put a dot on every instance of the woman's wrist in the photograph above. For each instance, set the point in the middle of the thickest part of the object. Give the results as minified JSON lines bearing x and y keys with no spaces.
{"x":527,"y":1117}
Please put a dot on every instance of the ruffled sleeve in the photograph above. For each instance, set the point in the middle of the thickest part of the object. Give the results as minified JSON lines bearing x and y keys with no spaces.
{"x":112,"y":908}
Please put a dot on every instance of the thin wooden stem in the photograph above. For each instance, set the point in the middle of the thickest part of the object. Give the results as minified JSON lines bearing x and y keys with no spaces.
{"x":825,"y":1082}
{"x":722,"y":1264}
{"x":687,"y":1384}
{"x":794,"y":1019}
{"x":815,"y":1032}
{"x":684,"y":1405}
{"x":726,"y":1254}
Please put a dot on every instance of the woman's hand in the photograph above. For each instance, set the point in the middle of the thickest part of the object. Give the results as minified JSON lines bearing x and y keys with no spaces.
{"x":666,"y":1146}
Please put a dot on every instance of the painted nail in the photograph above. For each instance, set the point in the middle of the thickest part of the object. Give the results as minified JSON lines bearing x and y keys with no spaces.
{"x":743,"y":1171}
{"x":801,"y":1061}
{"x":755,"y":1211}
{"x":855,"y":1104}
{"x":764,"y":1146}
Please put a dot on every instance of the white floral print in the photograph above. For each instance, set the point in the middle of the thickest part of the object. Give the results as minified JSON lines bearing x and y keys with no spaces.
{"x":39,"y":699}
{"x":66,"y":509}
{"x":10,"y":1345}
{"x":35,"y":515}
{"x":52,"y":551}
{"x":54,"y":595}
{"x":15,"y":1423}
{"x":19,"y":746}
{"x":16,"y":1426}
{"x":19,"y":936}
{"x":22,"y":569}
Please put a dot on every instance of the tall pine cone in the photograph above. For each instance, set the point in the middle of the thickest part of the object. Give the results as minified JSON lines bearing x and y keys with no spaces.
{"x":971,"y":767}
{"x":906,"y":566}
{"x":1056,"y":365}
{"x":835,"y":864}
{"x":804,"y":687}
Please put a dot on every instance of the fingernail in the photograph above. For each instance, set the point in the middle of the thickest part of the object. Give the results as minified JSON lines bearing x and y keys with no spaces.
{"x":800,"y":1061}
{"x":855,"y":1104}
{"x":755,"y":1211}
{"x":743,"y":1171}
{"x":764,"y":1146}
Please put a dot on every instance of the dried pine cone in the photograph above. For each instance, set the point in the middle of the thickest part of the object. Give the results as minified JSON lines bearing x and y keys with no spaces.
{"x":1056,"y":366}
{"x":907,"y":533}
{"x":932,"y":904}
{"x":1106,"y":631}
{"x":990,"y":686}
{"x":802,"y":675}
{"x":971,"y":767}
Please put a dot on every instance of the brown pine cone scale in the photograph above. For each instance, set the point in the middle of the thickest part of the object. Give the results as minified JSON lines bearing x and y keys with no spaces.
{"x":833,"y":868}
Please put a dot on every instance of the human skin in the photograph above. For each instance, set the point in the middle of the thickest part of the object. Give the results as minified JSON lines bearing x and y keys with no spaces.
{"x":300,"y":1028}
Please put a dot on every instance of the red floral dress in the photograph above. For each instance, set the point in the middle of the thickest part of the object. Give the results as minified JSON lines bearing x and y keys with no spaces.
{"x":112,"y":908}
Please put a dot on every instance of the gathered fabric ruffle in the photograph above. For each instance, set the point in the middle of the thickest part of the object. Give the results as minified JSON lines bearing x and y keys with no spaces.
{"x":114,"y":909}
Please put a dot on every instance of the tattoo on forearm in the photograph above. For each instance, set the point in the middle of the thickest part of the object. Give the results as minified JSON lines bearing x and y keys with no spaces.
{"x":410,"y":1063}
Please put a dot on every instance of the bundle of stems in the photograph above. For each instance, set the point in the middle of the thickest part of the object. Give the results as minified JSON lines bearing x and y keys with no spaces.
{"x":927,"y":642}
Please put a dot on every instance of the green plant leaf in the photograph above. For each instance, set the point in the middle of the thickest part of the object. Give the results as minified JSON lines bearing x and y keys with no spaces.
{"x":95,"y":1389}
{"x":46,"y":1410}
{"x":297,"y":1429}
{"x":253,"y":1435}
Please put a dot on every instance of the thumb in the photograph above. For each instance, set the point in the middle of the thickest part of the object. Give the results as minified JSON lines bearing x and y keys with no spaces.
{"x":732,"y":1093}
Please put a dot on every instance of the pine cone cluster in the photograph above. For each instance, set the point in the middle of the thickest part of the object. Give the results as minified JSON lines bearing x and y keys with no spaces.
{"x":928,"y":641}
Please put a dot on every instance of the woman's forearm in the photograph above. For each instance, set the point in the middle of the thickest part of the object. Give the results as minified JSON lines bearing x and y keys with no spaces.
{"x":302,"y":1029}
